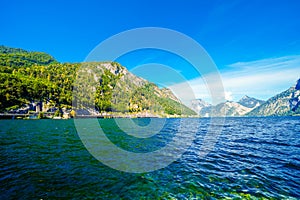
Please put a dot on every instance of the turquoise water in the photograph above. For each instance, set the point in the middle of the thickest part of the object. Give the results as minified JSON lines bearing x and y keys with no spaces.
{"x":253,"y":158}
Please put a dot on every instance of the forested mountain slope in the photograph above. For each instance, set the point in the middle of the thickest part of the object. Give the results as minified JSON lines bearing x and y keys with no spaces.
{"x":27,"y":77}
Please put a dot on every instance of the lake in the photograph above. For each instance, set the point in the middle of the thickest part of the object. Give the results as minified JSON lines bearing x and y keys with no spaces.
{"x":252,"y":158}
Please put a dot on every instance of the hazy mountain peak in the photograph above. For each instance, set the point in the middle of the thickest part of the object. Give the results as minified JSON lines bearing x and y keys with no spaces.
{"x":198,"y":104}
{"x":228,"y":108}
{"x":245,"y":97}
{"x":250,"y":102}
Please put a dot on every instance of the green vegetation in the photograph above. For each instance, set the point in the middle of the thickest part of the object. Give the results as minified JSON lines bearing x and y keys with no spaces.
{"x":27,"y":77}
{"x":13,"y":57}
{"x":41,"y":115}
{"x":104,"y":91}
{"x":22,"y":85}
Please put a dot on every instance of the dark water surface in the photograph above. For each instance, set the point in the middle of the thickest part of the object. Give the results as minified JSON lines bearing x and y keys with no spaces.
{"x":253,"y":158}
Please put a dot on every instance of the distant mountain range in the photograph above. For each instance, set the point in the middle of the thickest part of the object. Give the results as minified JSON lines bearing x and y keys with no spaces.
{"x":279,"y":105}
{"x":228,"y":108}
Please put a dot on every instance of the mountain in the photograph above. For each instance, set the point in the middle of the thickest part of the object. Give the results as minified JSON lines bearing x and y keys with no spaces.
{"x":279,"y":105}
{"x":14,"y":57}
{"x":295,"y":99}
{"x":27,"y":77}
{"x":228,"y":108}
{"x":284,"y":104}
{"x":198,"y":105}
{"x":250,"y":102}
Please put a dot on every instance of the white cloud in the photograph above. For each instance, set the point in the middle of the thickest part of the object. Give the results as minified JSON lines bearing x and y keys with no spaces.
{"x":261,"y":79}
{"x":228,"y":96}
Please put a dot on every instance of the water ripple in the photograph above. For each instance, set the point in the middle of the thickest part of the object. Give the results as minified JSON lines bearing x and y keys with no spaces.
{"x":253,"y":158}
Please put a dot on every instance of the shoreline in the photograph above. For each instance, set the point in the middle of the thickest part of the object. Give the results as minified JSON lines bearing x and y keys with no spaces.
{"x":27,"y":116}
{"x":9,"y":116}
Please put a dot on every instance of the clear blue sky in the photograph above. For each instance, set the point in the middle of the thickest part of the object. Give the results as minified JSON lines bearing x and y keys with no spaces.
{"x":234,"y":32}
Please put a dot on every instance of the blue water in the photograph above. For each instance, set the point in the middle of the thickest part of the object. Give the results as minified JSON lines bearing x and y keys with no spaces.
{"x":254,"y":158}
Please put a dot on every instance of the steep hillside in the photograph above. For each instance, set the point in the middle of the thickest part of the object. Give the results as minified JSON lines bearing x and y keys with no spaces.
{"x":27,"y":77}
{"x":121,"y":91}
{"x":278,"y":105}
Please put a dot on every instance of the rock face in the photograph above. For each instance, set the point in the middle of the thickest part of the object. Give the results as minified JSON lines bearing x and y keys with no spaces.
{"x":295,"y":100}
{"x":297,"y":87}
{"x":278,"y":105}
{"x":250,"y":102}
